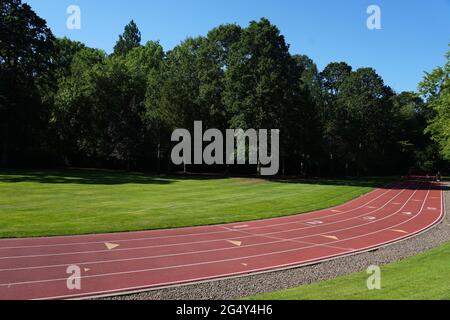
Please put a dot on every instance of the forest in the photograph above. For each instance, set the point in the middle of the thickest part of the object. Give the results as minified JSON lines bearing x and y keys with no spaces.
{"x":64,"y":104}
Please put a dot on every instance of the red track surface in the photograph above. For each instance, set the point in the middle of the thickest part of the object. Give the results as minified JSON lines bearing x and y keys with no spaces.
{"x":36,"y":268}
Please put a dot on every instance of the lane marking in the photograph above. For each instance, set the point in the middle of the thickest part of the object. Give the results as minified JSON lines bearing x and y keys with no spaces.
{"x":235,"y":273}
{"x":371,"y":207}
{"x":399,"y":231}
{"x":215,"y":240}
{"x":315,"y":223}
{"x":369,"y":218}
{"x":111,"y":246}
{"x":331,"y":237}
{"x":87,"y":269}
{"x":236,"y":243}
{"x":431,"y":208}
{"x":408,"y":213}
{"x":263,"y":269}
{"x":240,"y":227}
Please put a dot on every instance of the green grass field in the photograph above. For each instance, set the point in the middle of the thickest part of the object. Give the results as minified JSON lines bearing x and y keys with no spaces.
{"x":83,"y":201}
{"x":422,"y":277}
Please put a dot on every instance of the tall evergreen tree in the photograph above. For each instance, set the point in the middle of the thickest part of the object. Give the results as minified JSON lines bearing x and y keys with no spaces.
{"x":131,"y":38}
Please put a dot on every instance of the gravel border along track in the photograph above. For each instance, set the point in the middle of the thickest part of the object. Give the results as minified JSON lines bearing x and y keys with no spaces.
{"x":235,"y":288}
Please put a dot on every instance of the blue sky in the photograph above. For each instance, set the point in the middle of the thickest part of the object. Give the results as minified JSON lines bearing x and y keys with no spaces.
{"x":414,"y":36}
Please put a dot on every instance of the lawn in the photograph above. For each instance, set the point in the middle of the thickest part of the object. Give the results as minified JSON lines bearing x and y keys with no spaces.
{"x":422,"y":277}
{"x":83,"y":201}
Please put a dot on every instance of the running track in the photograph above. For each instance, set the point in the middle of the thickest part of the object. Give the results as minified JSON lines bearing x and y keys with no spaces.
{"x":136,"y":261}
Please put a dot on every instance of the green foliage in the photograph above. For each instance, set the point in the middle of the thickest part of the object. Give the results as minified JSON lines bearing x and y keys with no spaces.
{"x":66,"y":50}
{"x":79,"y":106}
{"x":26,"y":52}
{"x":436,"y":89}
{"x":259,"y":80}
{"x":130,"y":39}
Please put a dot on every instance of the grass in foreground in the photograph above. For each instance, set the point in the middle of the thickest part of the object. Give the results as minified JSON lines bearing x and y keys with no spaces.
{"x":83,"y":201}
{"x":423,"y":277}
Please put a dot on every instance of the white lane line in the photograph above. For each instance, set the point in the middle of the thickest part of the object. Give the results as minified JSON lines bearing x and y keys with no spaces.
{"x":198,"y":242}
{"x":223,"y":249}
{"x":296,"y":240}
{"x":230,"y":274}
{"x":301,"y":216}
{"x":237,"y":258}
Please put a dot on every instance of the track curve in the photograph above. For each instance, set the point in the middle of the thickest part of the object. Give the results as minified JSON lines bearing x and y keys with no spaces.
{"x":37,"y":268}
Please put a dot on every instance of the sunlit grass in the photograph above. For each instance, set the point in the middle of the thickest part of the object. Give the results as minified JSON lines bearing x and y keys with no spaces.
{"x":426,"y":276}
{"x":83,"y":201}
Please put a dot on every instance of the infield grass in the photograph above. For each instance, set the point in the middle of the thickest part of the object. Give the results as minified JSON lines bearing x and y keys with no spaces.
{"x":71,"y":202}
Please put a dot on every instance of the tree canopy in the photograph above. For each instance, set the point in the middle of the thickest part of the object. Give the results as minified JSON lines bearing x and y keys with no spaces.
{"x":63,"y":103}
{"x":130,"y":39}
{"x":435,"y":88}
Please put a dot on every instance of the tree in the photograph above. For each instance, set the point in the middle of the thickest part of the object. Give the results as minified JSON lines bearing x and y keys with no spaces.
{"x":331,"y":80}
{"x":76,"y":103}
{"x":435,"y":88}
{"x":260,"y":80}
{"x":26,"y":52}
{"x":363,"y":117}
{"x":66,"y":50}
{"x":334,"y":75}
{"x":305,"y":141}
{"x":131,"y":38}
{"x":409,"y":122}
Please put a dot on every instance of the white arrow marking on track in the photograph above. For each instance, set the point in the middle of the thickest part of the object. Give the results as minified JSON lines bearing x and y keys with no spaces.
{"x":315,"y":222}
{"x":400,"y":231}
{"x":331,"y":237}
{"x":236,"y":243}
{"x":111,"y":246}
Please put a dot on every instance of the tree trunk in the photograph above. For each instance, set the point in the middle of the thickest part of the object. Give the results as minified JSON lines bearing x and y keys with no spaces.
{"x":158,"y":166}
{"x":4,"y":159}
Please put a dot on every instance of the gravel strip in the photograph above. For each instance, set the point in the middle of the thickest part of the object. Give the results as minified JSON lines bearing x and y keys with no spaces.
{"x":274,"y":281}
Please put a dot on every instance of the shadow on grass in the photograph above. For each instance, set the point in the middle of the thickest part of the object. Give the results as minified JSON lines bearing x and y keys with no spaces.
{"x":394,"y":183}
{"x":106,"y":177}
{"x":82,"y":177}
